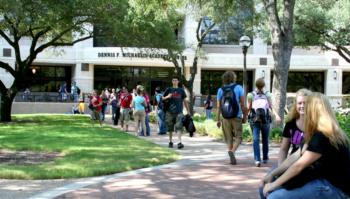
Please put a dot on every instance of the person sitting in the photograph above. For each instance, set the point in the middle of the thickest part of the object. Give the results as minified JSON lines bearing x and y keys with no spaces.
{"x":322,"y":168}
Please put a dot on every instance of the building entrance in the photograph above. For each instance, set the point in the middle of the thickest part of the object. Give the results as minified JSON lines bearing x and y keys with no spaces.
{"x":130,"y":76}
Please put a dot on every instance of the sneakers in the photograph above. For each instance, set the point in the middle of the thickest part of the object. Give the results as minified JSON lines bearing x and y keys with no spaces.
{"x":170,"y":145}
{"x":180,"y":146}
{"x":232,"y":158}
{"x":257,"y":163}
{"x":265,"y":161}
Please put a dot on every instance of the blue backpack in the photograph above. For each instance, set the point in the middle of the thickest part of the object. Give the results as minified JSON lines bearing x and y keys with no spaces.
{"x":229,"y":105}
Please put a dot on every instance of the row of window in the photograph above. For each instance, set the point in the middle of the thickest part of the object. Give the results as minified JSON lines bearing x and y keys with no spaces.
{"x":49,"y":78}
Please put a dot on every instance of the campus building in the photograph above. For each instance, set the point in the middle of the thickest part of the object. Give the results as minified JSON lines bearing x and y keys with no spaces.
{"x":96,"y":65}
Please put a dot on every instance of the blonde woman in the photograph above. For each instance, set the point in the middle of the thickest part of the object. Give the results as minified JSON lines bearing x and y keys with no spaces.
{"x":293,"y":132}
{"x":139,"y":104}
{"x":322,"y":169}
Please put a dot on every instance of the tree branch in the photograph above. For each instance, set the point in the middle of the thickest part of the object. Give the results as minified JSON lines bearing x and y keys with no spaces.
{"x":8,"y":68}
{"x":272,"y":12}
{"x":198,"y":28}
{"x":3,"y":35}
{"x":343,"y":52}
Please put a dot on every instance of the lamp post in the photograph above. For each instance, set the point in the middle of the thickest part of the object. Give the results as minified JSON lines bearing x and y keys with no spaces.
{"x":244,"y":42}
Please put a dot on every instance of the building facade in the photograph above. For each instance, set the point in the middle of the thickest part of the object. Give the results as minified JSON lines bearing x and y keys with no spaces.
{"x":94,"y":67}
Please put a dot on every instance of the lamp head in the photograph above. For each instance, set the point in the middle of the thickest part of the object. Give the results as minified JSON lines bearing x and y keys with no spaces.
{"x":244,"y":41}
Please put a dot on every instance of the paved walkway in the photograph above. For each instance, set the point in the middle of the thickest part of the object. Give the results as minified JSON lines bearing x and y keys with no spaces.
{"x":203,"y":172}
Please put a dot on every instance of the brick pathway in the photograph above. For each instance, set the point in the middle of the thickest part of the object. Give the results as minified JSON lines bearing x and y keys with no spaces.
{"x":203,"y":172}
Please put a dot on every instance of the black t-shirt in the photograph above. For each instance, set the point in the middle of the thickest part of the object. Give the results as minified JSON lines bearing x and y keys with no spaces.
{"x":175,"y":104}
{"x":296,"y":136}
{"x":334,"y":163}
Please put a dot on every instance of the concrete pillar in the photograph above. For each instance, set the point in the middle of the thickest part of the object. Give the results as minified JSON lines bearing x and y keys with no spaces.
{"x":266,"y":74}
{"x":333,"y":86}
{"x":189,"y":31}
{"x":83,"y":74}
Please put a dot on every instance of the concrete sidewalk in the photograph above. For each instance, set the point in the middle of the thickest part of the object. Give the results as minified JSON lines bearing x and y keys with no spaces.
{"x":203,"y":172}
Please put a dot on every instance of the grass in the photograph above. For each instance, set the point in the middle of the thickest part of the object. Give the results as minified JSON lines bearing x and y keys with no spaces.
{"x":88,"y":150}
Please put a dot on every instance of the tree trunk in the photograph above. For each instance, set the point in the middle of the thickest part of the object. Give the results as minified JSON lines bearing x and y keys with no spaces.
{"x":6,"y":107}
{"x":281,"y":32}
{"x":279,"y":88}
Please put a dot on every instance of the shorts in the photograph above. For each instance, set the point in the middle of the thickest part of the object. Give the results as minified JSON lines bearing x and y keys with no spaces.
{"x":174,"y":121}
{"x":125,"y":115}
{"x":233,"y":130}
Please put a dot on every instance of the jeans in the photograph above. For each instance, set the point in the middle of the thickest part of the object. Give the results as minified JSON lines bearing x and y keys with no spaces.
{"x":161,"y":122}
{"x":208,"y":113}
{"x":148,"y":128}
{"x":264,"y":129}
{"x":103,"y":112}
{"x":316,"y":189}
{"x":115,"y":114}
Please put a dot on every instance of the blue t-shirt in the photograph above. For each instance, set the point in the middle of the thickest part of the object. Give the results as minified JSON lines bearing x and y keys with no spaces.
{"x":175,"y":105}
{"x":238,"y":92}
{"x":138,"y":103}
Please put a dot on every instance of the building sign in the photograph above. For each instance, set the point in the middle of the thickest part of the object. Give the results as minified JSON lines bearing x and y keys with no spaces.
{"x":136,"y":55}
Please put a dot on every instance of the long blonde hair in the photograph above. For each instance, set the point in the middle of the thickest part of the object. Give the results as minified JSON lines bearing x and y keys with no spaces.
{"x":320,"y":117}
{"x":293,"y":113}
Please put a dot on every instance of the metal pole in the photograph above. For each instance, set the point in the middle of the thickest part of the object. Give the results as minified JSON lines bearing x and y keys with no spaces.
{"x":245,"y":48}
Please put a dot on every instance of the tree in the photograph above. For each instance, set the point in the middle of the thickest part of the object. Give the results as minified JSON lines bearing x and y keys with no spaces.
{"x":281,"y":34}
{"x":219,"y":11}
{"x":48,"y":24}
{"x":324,"y":23}
{"x":137,"y":23}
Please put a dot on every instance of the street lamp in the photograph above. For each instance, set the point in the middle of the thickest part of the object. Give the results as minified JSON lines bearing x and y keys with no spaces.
{"x":244,"y":42}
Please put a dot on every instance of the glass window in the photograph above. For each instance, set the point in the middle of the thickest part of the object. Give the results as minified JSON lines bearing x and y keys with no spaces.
{"x":346,"y":83}
{"x":211,"y":80}
{"x":47,"y":78}
{"x":313,"y":81}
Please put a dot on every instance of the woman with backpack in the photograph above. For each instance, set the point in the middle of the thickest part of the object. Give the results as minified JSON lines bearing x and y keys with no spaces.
{"x":259,"y":107}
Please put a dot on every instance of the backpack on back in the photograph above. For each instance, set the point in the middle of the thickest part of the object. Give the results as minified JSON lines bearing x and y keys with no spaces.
{"x":228,"y":103}
{"x":260,"y":108}
{"x":161,"y":104}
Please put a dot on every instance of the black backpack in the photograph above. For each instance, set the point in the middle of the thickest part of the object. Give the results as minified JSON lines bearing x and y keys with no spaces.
{"x":188,"y":123}
{"x":229,"y":105}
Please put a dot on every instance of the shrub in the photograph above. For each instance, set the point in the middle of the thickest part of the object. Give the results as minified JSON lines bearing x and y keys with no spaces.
{"x":276,"y":134}
{"x":152,"y":117}
{"x":344,"y":122}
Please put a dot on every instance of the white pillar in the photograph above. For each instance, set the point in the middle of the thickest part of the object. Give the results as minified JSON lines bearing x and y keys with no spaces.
{"x":333,"y":86}
{"x":84,"y":76}
{"x":266,"y":74}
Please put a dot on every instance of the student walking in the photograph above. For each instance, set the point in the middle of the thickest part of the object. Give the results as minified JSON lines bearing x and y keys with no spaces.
{"x":230,"y":105}
{"x":160,"y":110}
{"x":260,"y":107}
{"x":175,"y":98}
{"x":139,"y":104}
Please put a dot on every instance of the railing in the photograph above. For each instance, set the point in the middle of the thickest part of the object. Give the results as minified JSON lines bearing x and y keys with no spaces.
{"x":44,"y":97}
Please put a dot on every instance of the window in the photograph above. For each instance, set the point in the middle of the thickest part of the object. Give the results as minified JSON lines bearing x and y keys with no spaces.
{"x":47,"y":78}
{"x":313,"y":81}
{"x":211,"y":80}
{"x":346,"y":83}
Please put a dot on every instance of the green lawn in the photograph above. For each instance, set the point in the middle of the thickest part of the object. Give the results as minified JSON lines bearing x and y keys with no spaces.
{"x":88,"y":150}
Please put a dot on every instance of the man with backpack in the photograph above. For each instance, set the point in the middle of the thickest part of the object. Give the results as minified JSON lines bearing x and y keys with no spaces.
{"x":259,"y":106}
{"x":160,"y":110}
{"x":230,"y":105}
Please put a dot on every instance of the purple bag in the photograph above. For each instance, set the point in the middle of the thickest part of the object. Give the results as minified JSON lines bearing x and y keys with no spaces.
{"x":297,"y":137}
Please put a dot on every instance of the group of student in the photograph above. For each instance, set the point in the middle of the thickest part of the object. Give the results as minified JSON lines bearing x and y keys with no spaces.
{"x":318,"y":165}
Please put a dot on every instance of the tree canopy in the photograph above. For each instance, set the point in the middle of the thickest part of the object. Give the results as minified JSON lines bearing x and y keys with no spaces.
{"x":324,"y":23}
